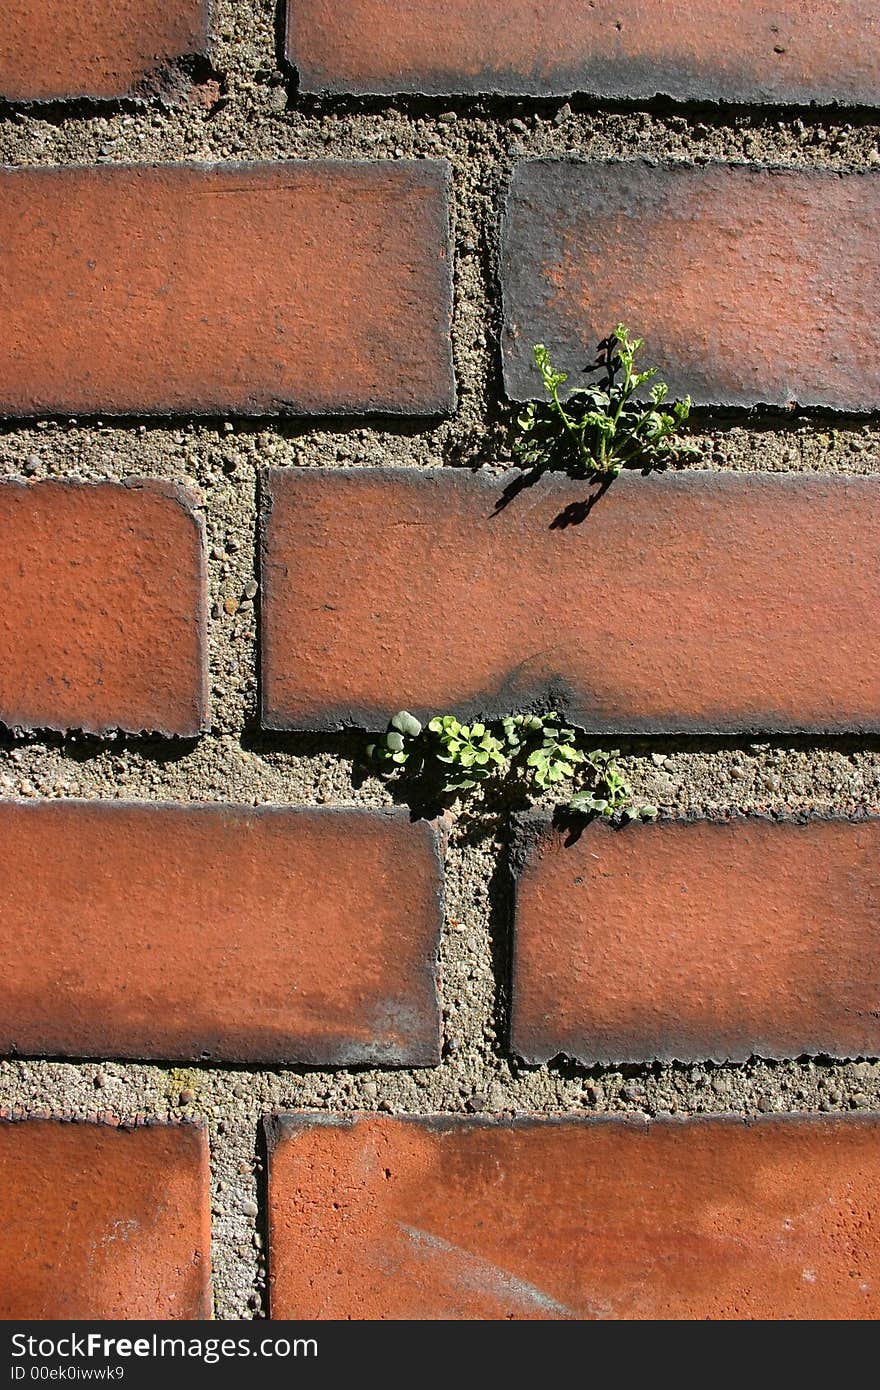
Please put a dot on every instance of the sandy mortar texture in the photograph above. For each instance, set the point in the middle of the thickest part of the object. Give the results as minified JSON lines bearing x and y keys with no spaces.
{"x":247,"y":108}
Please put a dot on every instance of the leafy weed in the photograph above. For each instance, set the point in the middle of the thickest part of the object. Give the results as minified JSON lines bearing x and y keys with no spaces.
{"x":537,"y":750}
{"x":601,"y":429}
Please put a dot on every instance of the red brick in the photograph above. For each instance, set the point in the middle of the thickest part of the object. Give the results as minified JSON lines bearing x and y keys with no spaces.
{"x":786,"y":51}
{"x":97,"y":48}
{"x":684,"y":602}
{"x":750,"y":285}
{"x":314,"y":286}
{"x":586,"y":1219}
{"x":100,"y":1222}
{"x":102,"y":607}
{"x":691,"y":940}
{"x":218,"y":933}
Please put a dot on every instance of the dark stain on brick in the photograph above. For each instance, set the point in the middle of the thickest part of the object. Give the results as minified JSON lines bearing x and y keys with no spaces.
{"x":751,"y":285}
{"x":384,"y":589}
{"x":696,"y":939}
{"x":101,"y":50}
{"x":301,"y":287}
{"x":745,"y":53}
{"x":218,"y":933}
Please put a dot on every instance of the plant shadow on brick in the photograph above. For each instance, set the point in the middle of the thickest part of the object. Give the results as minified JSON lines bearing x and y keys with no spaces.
{"x":526,"y":754}
{"x":601,"y":429}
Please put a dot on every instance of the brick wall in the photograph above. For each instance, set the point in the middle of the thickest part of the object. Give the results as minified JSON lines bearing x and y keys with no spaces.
{"x":271,"y":282}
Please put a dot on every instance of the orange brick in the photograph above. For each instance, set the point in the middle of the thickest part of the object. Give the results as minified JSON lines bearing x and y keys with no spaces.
{"x":303,"y":286}
{"x":682,"y":603}
{"x":102,"y":608}
{"x":218,"y":933}
{"x":100,"y":1222}
{"x":710,"y":50}
{"x":575,"y":1219}
{"x":97,"y":48}
{"x":750,"y":285}
{"x":695,"y":940}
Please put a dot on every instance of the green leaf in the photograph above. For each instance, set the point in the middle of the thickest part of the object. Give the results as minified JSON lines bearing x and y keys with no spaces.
{"x":600,"y":428}
{"x":406,"y":723}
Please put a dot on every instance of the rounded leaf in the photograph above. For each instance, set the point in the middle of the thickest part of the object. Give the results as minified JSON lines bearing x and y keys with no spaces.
{"x":406,"y":723}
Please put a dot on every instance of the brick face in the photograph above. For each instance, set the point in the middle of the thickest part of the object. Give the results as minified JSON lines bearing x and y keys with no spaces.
{"x":299,"y":287}
{"x":100,"y":1222}
{"x":706,"y":606}
{"x":218,"y":933}
{"x":102,"y":608}
{"x":96,"y":48}
{"x":750,"y":285}
{"x":586,"y":1219}
{"x":710,"y":50}
{"x":695,"y":940}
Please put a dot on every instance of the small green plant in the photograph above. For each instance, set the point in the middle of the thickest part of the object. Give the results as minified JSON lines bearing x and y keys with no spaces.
{"x":537,"y":749}
{"x":471,"y":752}
{"x":600,"y":429}
{"x":610,"y":791}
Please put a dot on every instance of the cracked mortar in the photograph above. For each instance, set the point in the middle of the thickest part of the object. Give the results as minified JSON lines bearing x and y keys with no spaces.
{"x":247,"y":109}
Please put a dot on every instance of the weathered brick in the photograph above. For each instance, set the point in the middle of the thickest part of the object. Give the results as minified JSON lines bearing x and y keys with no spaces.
{"x":104,"y":1222}
{"x":682,"y":602}
{"x":102,"y":607}
{"x":97,"y":48}
{"x":786,"y":51}
{"x":313,"y":286}
{"x":750,"y":285}
{"x":695,"y":940}
{"x":450,"y":1218}
{"x":218,"y":933}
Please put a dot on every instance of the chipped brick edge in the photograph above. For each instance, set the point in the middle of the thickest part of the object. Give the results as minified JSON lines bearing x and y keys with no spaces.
{"x":282,"y":1124}
{"x":161,"y":82}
